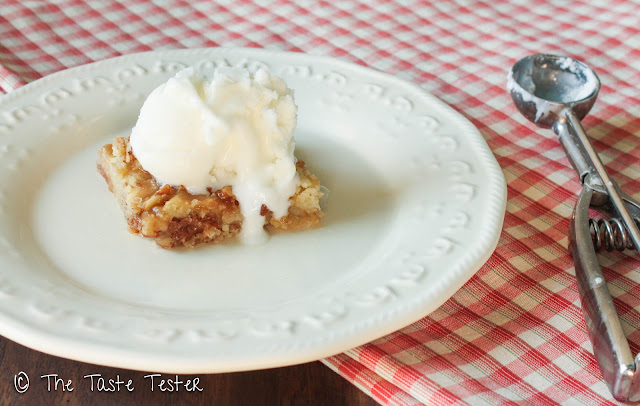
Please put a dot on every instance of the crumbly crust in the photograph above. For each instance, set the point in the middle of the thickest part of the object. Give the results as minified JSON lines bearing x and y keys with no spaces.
{"x":175,"y":218}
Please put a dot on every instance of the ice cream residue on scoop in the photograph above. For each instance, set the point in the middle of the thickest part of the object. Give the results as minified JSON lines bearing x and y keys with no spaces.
{"x":232,"y":127}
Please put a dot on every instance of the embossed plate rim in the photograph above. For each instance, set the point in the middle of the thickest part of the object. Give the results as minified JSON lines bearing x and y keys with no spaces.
{"x":296,"y":351}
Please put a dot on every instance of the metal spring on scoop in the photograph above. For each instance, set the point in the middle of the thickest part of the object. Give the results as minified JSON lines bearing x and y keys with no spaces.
{"x":611,"y":234}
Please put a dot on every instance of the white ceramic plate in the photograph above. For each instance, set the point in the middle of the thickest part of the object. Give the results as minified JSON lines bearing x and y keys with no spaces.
{"x":415,"y":207}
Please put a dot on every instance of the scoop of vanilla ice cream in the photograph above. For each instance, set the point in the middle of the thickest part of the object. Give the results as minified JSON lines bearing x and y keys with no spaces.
{"x":229,"y":128}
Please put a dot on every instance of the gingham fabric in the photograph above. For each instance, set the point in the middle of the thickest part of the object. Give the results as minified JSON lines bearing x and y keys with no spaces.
{"x":515,"y":332}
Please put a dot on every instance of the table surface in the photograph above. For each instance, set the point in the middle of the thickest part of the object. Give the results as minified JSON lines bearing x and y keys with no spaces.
{"x":514,"y":333}
{"x":305,"y":384}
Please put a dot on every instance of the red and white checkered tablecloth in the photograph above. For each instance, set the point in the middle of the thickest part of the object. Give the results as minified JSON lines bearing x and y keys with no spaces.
{"x":515,"y":332}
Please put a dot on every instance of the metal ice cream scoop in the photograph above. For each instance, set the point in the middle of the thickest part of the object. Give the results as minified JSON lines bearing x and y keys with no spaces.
{"x":557,"y":92}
